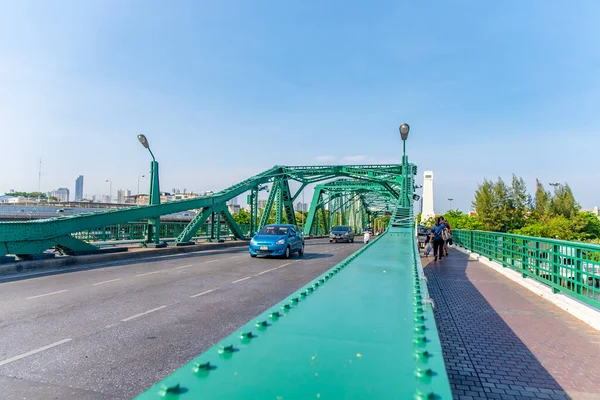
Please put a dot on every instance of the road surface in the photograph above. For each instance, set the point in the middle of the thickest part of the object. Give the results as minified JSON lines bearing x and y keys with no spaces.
{"x":111,"y":332}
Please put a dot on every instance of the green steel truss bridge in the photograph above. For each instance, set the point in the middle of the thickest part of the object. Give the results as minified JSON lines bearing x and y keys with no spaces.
{"x":365,"y":191}
{"x":363,"y":329}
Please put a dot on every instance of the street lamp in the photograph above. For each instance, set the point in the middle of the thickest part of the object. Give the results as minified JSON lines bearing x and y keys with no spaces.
{"x":450,"y":200}
{"x":139,"y":177}
{"x":153,"y":223}
{"x":404,"y":129}
{"x":109,"y":190}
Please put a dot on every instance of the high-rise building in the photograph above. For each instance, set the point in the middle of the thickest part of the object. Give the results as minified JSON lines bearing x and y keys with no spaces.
{"x":427,"y":199}
{"x":262,"y":203}
{"x":234,"y":201}
{"x":122,"y":195}
{"x":62,"y":194}
{"x":79,"y":188}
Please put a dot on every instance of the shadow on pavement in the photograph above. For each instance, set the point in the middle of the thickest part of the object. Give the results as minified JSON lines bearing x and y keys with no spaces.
{"x":484,"y":358}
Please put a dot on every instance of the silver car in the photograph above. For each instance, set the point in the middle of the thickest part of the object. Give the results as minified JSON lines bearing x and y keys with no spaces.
{"x":341,"y":234}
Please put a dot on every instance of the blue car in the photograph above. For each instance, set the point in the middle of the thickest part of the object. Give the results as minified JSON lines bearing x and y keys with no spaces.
{"x":277,"y":240}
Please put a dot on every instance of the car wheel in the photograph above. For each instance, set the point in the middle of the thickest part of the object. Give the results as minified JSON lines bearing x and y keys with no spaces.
{"x":352,"y":241}
{"x":301,"y":251}
{"x":252,"y":255}
{"x":331,"y":241}
{"x":287,"y":252}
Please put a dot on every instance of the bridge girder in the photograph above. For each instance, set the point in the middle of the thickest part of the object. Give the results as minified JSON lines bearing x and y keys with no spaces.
{"x":27,"y":238}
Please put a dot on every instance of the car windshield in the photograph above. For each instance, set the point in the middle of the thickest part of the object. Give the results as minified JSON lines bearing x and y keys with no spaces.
{"x":274,"y":230}
{"x":340,"y":229}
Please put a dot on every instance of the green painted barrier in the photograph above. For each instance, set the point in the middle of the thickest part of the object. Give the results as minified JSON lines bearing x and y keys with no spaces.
{"x":571,"y":268}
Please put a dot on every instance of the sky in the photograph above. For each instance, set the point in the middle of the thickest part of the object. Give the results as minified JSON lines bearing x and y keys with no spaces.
{"x":225,"y":90}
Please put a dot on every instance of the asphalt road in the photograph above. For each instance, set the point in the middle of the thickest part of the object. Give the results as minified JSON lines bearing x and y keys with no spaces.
{"x":111,"y":332}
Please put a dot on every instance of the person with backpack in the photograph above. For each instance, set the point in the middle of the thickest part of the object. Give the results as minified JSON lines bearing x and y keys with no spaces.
{"x":447,"y":236}
{"x":437,"y":239}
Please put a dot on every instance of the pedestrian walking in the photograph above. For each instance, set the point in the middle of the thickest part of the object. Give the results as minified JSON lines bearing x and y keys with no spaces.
{"x":437,"y":239}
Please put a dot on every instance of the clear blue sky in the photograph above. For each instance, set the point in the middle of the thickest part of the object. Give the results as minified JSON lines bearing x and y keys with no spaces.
{"x":226,"y":89}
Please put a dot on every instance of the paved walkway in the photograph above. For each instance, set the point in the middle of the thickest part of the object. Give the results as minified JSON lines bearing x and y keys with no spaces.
{"x":500,"y":341}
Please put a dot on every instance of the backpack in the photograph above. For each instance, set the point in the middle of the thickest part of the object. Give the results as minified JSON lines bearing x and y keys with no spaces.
{"x":446,"y":234}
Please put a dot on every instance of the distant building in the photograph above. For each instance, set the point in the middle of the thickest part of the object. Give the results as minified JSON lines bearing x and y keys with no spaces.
{"x":233,"y":208}
{"x":301,"y":206}
{"x":180,"y":196}
{"x":9,"y":199}
{"x":122,"y":195}
{"x":62,"y":194}
{"x":79,"y":188}
{"x":233,"y":201}
{"x":262,"y":203}
{"x":143,"y":199}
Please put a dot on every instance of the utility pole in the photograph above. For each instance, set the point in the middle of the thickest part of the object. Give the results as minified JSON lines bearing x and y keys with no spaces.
{"x":40,"y":177}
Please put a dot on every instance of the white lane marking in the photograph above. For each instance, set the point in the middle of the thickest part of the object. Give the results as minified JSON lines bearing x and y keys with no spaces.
{"x":144,"y":313}
{"x":264,"y":272}
{"x":185,"y":266}
{"x":15,"y":358}
{"x":46,"y":294}
{"x":203,"y":293}
{"x":243,"y":279}
{"x":110,"y":326}
{"x":284,"y":265}
{"x":153,"y":272}
{"x":210,"y":261}
{"x":102,"y":283}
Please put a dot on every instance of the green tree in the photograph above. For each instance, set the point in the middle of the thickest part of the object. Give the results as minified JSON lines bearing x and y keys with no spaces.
{"x":519,"y":204}
{"x":459,"y":220}
{"x":491,"y":203}
{"x":242,"y":217}
{"x":29,"y":195}
{"x":541,"y":203}
{"x":563,"y":202}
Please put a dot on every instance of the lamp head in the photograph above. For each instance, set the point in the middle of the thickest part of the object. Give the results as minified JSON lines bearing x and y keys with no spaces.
{"x":143,"y":140}
{"x":404,"y":128}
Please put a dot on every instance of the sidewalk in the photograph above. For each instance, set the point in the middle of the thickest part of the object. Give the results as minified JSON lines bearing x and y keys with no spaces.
{"x":500,"y":341}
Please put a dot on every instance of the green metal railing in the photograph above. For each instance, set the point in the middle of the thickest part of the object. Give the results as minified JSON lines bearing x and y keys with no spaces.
{"x":571,"y":268}
{"x":134,"y":231}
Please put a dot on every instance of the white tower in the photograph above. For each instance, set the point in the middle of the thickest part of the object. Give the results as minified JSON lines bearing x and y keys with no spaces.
{"x":427,"y":196}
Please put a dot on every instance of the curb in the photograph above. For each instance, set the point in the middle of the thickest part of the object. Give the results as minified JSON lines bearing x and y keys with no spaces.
{"x":69,"y":261}
{"x":579,"y":310}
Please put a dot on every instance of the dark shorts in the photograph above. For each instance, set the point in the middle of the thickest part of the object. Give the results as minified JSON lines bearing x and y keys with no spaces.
{"x":449,"y":242}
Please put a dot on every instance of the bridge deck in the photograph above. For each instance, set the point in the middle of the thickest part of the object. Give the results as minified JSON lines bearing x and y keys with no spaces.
{"x":351,"y":339}
{"x":501,"y":341}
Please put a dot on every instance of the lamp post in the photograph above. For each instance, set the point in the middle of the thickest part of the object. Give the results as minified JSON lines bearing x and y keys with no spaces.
{"x":153,"y":223}
{"x":109,"y":190}
{"x":450,"y":200}
{"x":139,"y":177}
{"x":404,"y":129}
